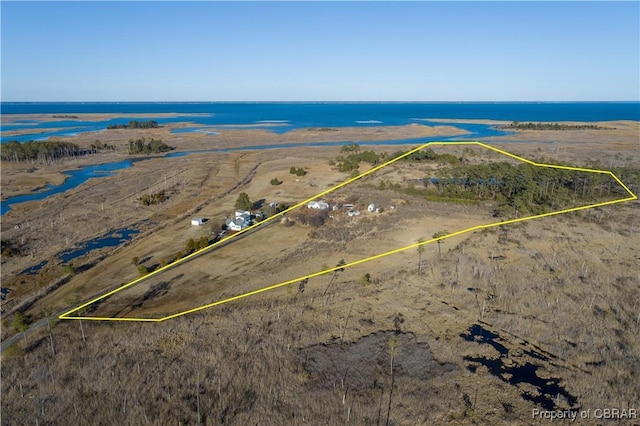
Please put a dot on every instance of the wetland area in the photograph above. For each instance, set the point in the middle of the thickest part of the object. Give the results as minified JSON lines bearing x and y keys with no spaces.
{"x":484,"y":327}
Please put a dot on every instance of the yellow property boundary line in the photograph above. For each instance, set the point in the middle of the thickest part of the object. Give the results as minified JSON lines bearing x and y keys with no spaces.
{"x":67,"y":315}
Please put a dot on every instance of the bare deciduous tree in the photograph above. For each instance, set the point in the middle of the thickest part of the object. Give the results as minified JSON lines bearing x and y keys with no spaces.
{"x":420,"y":250}
{"x":394,"y":343}
{"x":439,"y":235}
{"x":47,"y":312}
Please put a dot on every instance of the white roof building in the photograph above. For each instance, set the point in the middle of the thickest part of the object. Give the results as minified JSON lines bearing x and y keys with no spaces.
{"x":244,"y":215}
{"x":197,"y":221}
{"x":237,"y":224}
{"x":319,"y":205}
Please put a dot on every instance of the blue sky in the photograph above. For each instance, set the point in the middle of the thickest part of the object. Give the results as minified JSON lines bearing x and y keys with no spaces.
{"x":324,"y":51}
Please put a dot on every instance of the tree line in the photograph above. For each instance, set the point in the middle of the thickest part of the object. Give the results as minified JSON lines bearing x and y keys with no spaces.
{"x":428,"y":155}
{"x":50,"y":151}
{"x":551,"y":126}
{"x":42,"y":151}
{"x":351,"y":161}
{"x":515,"y":188}
{"x":133,"y":124}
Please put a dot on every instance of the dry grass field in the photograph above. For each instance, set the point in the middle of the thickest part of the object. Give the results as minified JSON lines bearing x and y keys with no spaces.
{"x":505,"y":321}
{"x":278,"y":252}
{"x":488,"y":326}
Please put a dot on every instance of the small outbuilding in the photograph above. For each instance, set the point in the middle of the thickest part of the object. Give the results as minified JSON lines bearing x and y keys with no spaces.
{"x":318,"y":205}
{"x":197,"y":221}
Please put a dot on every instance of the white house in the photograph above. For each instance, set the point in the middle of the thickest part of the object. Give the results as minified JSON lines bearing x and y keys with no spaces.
{"x":241,"y":220}
{"x":371,"y":208}
{"x":237,"y":224}
{"x":319,"y":205}
{"x":197,"y":221}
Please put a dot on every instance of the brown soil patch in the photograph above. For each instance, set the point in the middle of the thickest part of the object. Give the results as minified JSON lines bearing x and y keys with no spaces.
{"x":362,"y":363}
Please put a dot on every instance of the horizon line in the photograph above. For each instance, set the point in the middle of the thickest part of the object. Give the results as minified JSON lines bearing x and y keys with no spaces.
{"x":321,"y":102}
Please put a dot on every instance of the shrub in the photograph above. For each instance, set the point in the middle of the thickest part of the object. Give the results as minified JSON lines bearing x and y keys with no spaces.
{"x":190,"y":246}
{"x":311,"y":217}
{"x":203,"y":242}
{"x":298,"y":171}
{"x":69,"y":269}
{"x":14,"y":351}
{"x":156,"y":198}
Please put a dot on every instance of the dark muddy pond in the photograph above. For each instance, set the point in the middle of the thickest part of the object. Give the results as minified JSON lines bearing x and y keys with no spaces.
{"x":548,"y":390}
{"x":111,"y":239}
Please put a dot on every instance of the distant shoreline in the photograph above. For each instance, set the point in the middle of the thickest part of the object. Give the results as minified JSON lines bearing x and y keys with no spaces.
{"x":331,"y":114}
{"x":315,"y":102}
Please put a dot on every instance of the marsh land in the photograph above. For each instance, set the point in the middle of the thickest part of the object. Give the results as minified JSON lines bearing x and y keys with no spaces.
{"x":480,"y":329}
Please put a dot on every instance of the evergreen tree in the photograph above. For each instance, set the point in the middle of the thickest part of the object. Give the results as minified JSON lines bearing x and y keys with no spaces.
{"x":243,"y":202}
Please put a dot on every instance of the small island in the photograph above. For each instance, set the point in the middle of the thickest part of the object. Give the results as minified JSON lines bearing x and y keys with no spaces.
{"x":515,"y":125}
{"x":141,"y":146}
{"x":134,"y":124}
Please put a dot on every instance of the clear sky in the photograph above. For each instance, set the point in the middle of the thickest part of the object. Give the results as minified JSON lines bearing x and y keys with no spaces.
{"x":324,"y":51}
